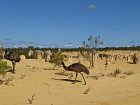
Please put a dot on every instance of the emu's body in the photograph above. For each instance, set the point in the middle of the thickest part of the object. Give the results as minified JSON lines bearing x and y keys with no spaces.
{"x":12,"y":56}
{"x":78,"y":68}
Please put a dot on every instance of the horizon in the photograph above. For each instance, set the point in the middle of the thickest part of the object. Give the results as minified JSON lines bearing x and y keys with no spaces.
{"x":69,"y":22}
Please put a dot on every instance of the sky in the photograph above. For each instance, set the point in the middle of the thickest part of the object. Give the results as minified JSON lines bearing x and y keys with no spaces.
{"x":69,"y":22}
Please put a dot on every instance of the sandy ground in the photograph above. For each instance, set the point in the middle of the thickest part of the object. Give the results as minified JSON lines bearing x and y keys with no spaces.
{"x":36,"y":83}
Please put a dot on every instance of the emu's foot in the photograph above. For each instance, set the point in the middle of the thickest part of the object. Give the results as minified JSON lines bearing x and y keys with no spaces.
{"x":13,"y":72}
{"x":84,"y":84}
{"x":73,"y":82}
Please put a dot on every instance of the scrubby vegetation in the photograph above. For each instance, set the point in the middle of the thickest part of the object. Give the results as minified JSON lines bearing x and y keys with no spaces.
{"x":30,"y":100}
{"x":3,"y":67}
{"x":114,"y":73}
{"x":87,"y":90}
{"x":56,"y":59}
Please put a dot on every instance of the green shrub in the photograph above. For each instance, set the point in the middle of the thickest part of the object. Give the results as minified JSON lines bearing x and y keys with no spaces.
{"x":3,"y":66}
{"x":57,"y":58}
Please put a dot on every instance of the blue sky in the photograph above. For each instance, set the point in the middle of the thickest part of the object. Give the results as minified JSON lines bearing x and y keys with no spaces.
{"x":70,"y":21}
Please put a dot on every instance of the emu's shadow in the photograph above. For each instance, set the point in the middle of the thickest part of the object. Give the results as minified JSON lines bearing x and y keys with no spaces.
{"x":69,"y":80}
{"x":130,"y":62}
{"x":49,"y":69}
{"x":94,"y":77}
{"x":9,"y":70}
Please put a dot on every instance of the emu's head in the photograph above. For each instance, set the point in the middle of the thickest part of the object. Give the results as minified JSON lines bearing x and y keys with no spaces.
{"x":87,"y":71}
{"x":6,"y":55}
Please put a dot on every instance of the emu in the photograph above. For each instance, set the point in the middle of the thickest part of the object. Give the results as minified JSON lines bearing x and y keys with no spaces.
{"x":14,"y":57}
{"x":78,"y":68}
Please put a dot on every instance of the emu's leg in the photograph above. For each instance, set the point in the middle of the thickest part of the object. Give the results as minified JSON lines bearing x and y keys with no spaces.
{"x":13,"y":63}
{"x":83,"y":78}
{"x":75,"y":77}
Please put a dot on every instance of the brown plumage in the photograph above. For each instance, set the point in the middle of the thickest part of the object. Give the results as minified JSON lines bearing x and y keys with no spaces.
{"x":78,"y":68}
{"x":14,"y":57}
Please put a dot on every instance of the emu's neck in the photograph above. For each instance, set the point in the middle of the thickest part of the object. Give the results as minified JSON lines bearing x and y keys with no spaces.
{"x":65,"y":67}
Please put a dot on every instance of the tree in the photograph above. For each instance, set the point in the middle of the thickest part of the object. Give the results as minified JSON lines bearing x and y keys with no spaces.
{"x":90,"y":47}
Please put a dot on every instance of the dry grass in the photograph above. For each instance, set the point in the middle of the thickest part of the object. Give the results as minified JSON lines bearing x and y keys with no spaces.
{"x":30,"y":100}
{"x":87,"y":90}
{"x":114,"y":73}
{"x":22,"y":76}
{"x":7,"y":81}
{"x":128,"y":73}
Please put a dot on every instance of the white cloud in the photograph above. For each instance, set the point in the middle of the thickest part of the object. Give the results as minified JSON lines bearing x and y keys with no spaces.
{"x":91,"y":7}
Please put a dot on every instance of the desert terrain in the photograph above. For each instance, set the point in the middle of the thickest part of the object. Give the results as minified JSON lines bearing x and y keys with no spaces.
{"x":36,"y":83}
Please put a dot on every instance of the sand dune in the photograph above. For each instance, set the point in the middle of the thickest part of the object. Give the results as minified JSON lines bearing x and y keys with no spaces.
{"x":37,"y":79}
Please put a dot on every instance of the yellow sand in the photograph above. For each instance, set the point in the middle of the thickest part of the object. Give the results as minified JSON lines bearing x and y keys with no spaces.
{"x":37,"y":79}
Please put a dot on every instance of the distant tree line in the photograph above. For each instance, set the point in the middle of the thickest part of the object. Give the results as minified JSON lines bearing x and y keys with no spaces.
{"x":119,"y":48}
{"x":24,"y":51}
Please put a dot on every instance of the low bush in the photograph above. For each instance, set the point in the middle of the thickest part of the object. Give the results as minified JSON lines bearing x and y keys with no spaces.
{"x":3,"y":66}
{"x":56,"y":59}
